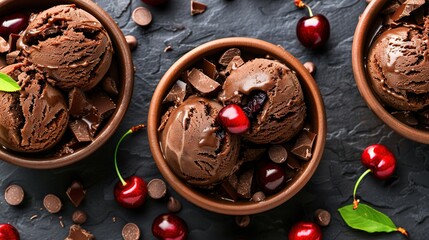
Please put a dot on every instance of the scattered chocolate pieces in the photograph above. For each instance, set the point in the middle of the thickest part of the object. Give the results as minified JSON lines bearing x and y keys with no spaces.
{"x":142,"y":16}
{"x":406,"y":9}
{"x":52,"y":203}
{"x":304,"y":145}
{"x":132,"y":42}
{"x":322,"y":217}
{"x":76,"y":193}
{"x":78,"y":233}
{"x":131,"y":232}
{"x":258,"y":196}
{"x":14,"y":195}
{"x":168,"y":48}
{"x":174,"y":205}
{"x":202,"y":83}
{"x":277,"y":153}
{"x":156,"y":188}
{"x":79,"y":217}
{"x":311,"y":67}
{"x":242,"y":221}
{"x":228,"y":55}
{"x":197,"y":7}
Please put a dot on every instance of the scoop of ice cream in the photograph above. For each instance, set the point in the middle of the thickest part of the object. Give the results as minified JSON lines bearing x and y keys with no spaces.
{"x":282,"y":113}
{"x":195,"y":147}
{"x":35,"y":118}
{"x":69,"y":45}
{"x":398,"y":66}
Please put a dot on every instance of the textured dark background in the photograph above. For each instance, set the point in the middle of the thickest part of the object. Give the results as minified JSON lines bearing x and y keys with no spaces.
{"x":351,"y":127}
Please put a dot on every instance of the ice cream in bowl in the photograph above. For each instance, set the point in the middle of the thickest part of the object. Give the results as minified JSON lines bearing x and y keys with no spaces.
{"x":391,"y":66}
{"x":237,"y":126}
{"x":75,"y":76}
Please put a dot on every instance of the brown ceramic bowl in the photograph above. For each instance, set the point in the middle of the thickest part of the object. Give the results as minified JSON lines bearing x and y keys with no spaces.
{"x":122,"y":56}
{"x":365,"y":30}
{"x":315,"y":111}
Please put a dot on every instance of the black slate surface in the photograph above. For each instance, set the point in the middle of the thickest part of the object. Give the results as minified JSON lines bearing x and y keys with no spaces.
{"x":351,"y":127}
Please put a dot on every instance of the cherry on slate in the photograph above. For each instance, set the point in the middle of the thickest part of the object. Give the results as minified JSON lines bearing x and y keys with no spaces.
{"x":305,"y":231}
{"x":312,"y":31}
{"x":380,"y":161}
{"x":154,"y":2}
{"x":13,"y":23}
{"x":233,"y":119}
{"x":132,"y":191}
{"x":168,"y":226}
{"x":8,"y":232}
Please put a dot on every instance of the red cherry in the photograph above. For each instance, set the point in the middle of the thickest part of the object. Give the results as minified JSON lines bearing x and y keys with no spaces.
{"x":13,"y":23}
{"x":233,"y":119}
{"x":169,"y":227}
{"x":380,"y":160}
{"x":154,"y":2}
{"x":8,"y":232}
{"x":305,"y":231}
{"x":132,"y":194}
{"x":270,"y":177}
{"x":313,"y":32}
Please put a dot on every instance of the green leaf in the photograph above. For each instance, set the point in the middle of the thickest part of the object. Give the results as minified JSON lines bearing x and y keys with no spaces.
{"x":367,"y":219}
{"x":7,"y":84}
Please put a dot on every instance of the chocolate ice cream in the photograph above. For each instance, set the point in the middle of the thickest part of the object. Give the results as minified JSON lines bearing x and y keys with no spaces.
{"x":69,"y":45}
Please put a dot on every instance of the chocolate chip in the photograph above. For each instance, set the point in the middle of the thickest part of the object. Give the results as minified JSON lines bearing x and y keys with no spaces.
{"x":202,"y":83}
{"x":76,"y":232}
{"x":242,"y":221}
{"x":322,"y":217}
{"x":52,"y":203}
{"x":174,"y":205}
{"x":197,"y":7}
{"x":14,"y":195}
{"x":132,"y":42}
{"x":304,"y":145}
{"x":142,"y":16}
{"x":156,"y":188}
{"x":79,"y":217}
{"x":277,"y":153}
{"x":76,"y":193}
{"x":131,"y":231}
{"x":228,"y":55}
{"x":311,"y":67}
{"x":258,"y":196}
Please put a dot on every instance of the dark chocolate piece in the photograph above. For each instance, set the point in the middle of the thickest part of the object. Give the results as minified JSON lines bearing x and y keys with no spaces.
{"x":79,"y":217}
{"x":242,"y":221}
{"x":78,"y":233}
{"x":228,"y":55}
{"x":277,"y":153}
{"x":52,"y":203}
{"x":156,"y":188}
{"x":80,"y":130}
{"x":406,"y":9}
{"x":109,"y":86}
{"x":76,"y":193}
{"x":406,"y":117}
{"x":78,"y":103}
{"x":244,"y":185}
{"x":131,"y":232}
{"x":235,"y":63}
{"x":304,"y":145}
{"x":103,"y":103}
{"x":197,"y":7}
{"x":176,"y":94}
{"x":209,"y":69}
{"x":293,"y":163}
{"x":322,"y":217}
{"x":14,"y":195}
{"x":142,"y":16}
{"x":227,"y":192}
{"x":202,"y":83}
{"x":132,"y":42}
{"x":258,"y":196}
{"x":174,"y":205}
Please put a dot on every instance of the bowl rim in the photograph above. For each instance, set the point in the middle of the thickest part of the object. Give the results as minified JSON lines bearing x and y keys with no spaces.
{"x":123,"y":54}
{"x":226,"y":207}
{"x":358,"y":55}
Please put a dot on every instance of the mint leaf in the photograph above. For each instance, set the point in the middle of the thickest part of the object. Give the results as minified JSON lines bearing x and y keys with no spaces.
{"x":367,"y":219}
{"x":7,"y":84}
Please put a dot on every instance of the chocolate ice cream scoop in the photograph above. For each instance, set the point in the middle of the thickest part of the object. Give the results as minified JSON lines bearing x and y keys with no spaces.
{"x":398,"y":66}
{"x":282,"y":114}
{"x":35,"y":118}
{"x":69,"y":45}
{"x":195,"y":147}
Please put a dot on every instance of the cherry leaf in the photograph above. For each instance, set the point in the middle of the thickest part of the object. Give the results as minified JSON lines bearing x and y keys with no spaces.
{"x":7,"y":84}
{"x":367,"y":219}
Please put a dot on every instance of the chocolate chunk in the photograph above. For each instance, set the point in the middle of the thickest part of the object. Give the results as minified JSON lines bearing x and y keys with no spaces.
{"x":322,"y":217}
{"x":132,"y":42}
{"x":11,"y":57}
{"x":103,"y":103}
{"x":13,"y":38}
{"x":406,"y":9}
{"x":304,"y":145}
{"x":277,"y":153}
{"x":197,"y":7}
{"x":14,"y":195}
{"x":80,"y":130}
{"x":258,"y":196}
{"x":176,"y":94}
{"x":78,"y":103}
{"x":227,"y":192}
{"x":202,"y":83}
{"x":131,"y":232}
{"x":142,"y":16}
{"x":78,"y":233}
{"x":244,"y":185}
{"x":235,"y":63}
{"x":4,"y":45}
{"x":52,"y":203}
{"x":406,"y":117}
{"x":174,"y":205}
{"x":209,"y":69}
{"x":109,"y":86}
{"x":293,"y":163}
{"x":93,"y":119}
{"x":311,"y":67}
{"x":156,"y":188}
{"x":79,"y":217}
{"x":76,"y":193}
{"x":228,"y":55}
{"x":242,"y":221}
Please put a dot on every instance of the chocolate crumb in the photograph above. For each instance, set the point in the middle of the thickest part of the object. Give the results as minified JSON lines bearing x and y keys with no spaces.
{"x":14,"y":195}
{"x":79,"y":217}
{"x":114,"y":219}
{"x":197,"y":7}
{"x":131,"y":232}
{"x":132,"y":42}
{"x":174,"y":205}
{"x":242,"y":221}
{"x":168,"y":48}
{"x":60,"y":218}
{"x":52,"y":203}
{"x":34,"y":217}
{"x":156,"y":188}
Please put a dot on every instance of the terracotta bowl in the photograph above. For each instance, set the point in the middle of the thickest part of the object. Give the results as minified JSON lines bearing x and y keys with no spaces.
{"x":123,"y":58}
{"x":315,"y":117}
{"x":365,"y":30}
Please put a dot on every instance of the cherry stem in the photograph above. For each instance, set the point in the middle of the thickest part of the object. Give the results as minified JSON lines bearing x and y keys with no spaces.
{"x":355,"y":201}
{"x":301,"y":4}
{"x":132,"y":130}
{"x":403,"y":231}
{"x":309,"y":10}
